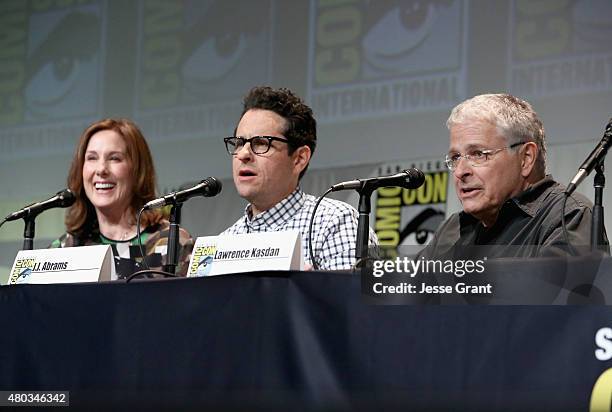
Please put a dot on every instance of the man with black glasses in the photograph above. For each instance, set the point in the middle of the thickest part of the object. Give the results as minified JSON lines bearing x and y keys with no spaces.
{"x":271,"y":149}
{"x":497,"y":160}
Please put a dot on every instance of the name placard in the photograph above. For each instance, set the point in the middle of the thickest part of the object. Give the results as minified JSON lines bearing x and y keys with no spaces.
{"x":217,"y":255}
{"x":63,"y":265}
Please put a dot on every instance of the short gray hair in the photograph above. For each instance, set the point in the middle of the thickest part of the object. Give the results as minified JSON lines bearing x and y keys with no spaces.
{"x":514,"y":118}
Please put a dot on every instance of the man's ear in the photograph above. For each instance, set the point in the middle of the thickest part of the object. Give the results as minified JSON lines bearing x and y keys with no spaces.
{"x":528,"y":158}
{"x":301,"y":157}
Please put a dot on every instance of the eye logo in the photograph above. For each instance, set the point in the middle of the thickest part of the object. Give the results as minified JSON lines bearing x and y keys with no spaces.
{"x":205,"y":266}
{"x":202,"y":259}
{"x":63,"y":64}
{"x":410,"y":217}
{"x":376,"y":58}
{"x":23,"y":275}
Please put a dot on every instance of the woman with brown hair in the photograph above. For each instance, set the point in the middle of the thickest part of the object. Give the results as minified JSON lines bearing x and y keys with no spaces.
{"x":112,"y":176}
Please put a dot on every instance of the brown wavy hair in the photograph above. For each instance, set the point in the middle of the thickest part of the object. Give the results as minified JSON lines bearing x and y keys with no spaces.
{"x":81,"y":219}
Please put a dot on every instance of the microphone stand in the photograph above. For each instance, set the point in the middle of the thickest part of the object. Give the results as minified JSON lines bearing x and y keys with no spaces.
{"x":173,"y":238}
{"x":28,"y":232}
{"x":363,"y":225}
{"x":597,"y":222}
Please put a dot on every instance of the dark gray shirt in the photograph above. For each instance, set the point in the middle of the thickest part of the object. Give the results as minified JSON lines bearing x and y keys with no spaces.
{"x":528,"y":225}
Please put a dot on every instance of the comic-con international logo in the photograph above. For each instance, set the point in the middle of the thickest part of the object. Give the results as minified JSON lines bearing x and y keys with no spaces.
{"x":21,"y":271}
{"x":386,"y":56}
{"x":194,"y":65}
{"x":407,"y":217}
{"x":49,"y":60}
{"x":202,"y":260}
{"x":560,"y":47}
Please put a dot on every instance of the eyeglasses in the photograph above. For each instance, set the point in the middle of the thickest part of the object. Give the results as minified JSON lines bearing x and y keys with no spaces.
{"x":259,"y":144}
{"x":476,"y":157}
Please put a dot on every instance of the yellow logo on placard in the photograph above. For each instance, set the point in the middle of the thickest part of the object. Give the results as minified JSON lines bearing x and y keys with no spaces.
{"x":601,"y":397}
{"x":202,"y":259}
{"x":23,"y":268}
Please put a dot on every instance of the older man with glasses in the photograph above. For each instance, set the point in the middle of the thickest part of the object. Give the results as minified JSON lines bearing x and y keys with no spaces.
{"x":271,"y":149}
{"x":497,"y":160}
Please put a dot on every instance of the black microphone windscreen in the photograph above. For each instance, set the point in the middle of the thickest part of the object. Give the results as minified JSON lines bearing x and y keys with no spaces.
{"x":214,"y":186}
{"x":416,"y":177}
{"x":66,"y":197}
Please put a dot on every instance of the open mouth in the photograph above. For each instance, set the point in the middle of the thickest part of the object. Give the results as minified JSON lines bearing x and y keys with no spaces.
{"x":104,"y":186}
{"x":246,"y":173}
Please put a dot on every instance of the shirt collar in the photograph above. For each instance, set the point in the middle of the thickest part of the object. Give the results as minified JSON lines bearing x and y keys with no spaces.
{"x":530,"y":200}
{"x":278,"y":214}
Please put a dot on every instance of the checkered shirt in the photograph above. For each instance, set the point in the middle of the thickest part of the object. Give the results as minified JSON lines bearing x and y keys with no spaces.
{"x":334,"y":230}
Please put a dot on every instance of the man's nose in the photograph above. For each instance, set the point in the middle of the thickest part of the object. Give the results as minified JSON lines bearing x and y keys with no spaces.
{"x":244,"y":153}
{"x":462,"y":168}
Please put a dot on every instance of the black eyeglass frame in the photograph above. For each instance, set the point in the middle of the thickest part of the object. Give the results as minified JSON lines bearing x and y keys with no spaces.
{"x":244,"y":140}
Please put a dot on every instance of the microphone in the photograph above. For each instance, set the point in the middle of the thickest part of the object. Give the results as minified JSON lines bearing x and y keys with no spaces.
{"x":208,"y":187}
{"x":63,"y":198}
{"x":408,"y":178}
{"x":594,"y":158}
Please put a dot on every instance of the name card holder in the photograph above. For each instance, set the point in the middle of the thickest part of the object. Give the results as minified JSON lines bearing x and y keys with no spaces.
{"x":218,"y":255}
{"x":63,"y":265}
